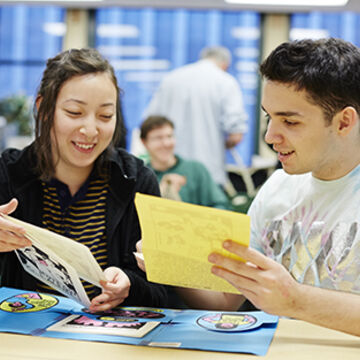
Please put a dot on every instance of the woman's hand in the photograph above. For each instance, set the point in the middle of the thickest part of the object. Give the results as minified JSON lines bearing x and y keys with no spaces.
{"x":11,"y":235}
{"x":139,"y":256}
{"x":115,"y":290}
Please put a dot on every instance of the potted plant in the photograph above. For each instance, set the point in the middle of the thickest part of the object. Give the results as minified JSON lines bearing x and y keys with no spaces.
{"x":17,"y":111}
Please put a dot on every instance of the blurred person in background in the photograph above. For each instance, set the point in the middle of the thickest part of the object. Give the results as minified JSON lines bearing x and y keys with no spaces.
{"x":179,"y":178}
{"x":206,"y":105}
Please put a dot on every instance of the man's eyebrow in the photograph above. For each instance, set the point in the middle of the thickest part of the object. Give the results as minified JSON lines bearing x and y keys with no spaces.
{"x":284,"y":113}
{"x":287,"y":113}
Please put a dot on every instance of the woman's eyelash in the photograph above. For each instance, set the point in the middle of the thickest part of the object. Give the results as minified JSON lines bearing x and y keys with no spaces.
{"x":73,"y":112}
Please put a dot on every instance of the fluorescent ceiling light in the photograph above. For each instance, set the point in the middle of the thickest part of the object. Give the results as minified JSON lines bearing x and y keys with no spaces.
{"x":290,"y":2}
{"x":60,"y":1}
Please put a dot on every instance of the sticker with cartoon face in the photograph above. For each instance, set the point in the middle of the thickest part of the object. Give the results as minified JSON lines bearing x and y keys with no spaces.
{"x":228,"y":322}
{"x":28,"y":302}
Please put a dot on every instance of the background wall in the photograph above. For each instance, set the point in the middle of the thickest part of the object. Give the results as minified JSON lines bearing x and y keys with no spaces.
{"x":143,"y":44}
{"x":28,"y":36}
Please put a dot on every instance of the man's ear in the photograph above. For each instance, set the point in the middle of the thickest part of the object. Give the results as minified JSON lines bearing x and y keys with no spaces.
{"x":347,"y":118}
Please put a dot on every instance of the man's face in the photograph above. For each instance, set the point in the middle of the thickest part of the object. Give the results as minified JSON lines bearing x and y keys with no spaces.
{"x":299,"y":133}
{"x":160,"y":144}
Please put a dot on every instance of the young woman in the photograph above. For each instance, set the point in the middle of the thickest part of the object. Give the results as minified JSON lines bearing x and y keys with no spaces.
{"x":72,"y":180}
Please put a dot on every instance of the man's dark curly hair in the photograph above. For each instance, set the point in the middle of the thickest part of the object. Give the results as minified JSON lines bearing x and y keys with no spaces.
{"x":327,"y":69}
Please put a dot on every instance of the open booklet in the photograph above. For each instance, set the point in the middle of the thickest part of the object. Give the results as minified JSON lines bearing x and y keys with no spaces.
{"x":58,"y":261}
{"x":178,"y":237}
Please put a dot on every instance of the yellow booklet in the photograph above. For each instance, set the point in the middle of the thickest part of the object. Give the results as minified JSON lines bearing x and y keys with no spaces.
{"x":178,"y":238}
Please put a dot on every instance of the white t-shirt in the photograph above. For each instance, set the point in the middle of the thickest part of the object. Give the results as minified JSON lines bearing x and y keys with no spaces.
{"x":311,"y":227}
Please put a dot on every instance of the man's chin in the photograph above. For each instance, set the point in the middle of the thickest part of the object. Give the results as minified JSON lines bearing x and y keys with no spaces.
{"x":292,"y":171}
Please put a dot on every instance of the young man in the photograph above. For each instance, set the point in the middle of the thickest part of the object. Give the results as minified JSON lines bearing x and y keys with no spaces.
{"x":179,"y":179}
{"x":304,"y":258}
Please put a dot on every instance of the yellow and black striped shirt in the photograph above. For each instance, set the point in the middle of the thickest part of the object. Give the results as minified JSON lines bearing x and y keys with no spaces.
{"x":80,"y":217}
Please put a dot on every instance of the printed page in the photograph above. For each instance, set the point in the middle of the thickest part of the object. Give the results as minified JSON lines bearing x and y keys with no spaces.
{"x":178,"y":238}
{"x":87,"y":325}
{"x":75,"y":254}
{"x":52,"y":270}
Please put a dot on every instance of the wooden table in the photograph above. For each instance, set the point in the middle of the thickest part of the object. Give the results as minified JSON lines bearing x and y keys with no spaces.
{"x":294,"y":340}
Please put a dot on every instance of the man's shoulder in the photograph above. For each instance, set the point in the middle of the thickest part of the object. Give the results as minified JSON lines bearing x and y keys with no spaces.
{"x":278,"y":194}
{"x":180,"y":72}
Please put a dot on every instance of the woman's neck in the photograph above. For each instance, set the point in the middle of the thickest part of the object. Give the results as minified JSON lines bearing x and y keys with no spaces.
{"x":74,"y":179}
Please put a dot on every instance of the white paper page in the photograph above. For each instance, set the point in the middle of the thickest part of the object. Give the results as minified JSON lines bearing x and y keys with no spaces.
{"x":75,"y":254}
{"x":52,"y":270}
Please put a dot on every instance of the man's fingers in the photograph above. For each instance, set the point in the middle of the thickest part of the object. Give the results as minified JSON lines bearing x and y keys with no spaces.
{"x":240,"y":282}
{"x":248,"y":254}
{"x":237,"y":267}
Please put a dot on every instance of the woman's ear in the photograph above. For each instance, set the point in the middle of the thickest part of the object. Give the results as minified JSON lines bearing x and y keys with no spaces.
{"x":38,"y":102}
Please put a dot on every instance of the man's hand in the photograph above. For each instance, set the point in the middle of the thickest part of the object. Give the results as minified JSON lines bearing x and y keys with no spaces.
{"x":175,"y":180}
{"x":11,"y":235}
{"x":266,"y":283}
{"x":115,"y":290}
{"x":233,"y":139}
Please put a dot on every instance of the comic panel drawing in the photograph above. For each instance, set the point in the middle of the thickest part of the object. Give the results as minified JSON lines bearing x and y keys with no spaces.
{"x":43,"y":264}
{"x":105,"y":325}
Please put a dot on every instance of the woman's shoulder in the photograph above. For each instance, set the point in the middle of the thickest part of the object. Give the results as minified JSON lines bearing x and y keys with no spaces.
{"x":11,"y":155}
{"x":17,"y":158}
{"x":129,"y":164}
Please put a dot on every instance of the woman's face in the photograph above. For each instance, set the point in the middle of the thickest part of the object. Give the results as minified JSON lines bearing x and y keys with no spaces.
{"x":84,"y":123}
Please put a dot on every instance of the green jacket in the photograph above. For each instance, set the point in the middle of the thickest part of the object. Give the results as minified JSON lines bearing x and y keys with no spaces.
{"x":200,"y":188}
